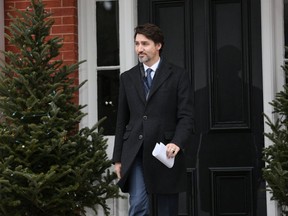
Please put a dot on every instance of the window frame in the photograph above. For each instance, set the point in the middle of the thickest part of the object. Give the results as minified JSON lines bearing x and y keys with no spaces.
{"x":88,"y":47}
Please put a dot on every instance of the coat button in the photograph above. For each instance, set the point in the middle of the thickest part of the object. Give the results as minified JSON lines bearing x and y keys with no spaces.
{"x":140,"y":137}
{"x":145,"y":117}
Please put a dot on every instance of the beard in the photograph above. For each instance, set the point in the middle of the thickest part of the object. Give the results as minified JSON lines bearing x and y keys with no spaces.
{"x":143,"y":59}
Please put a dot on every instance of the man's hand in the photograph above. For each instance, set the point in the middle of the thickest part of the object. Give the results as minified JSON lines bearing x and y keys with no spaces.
{"x":117,"y":168}
{"x":172,"y":150}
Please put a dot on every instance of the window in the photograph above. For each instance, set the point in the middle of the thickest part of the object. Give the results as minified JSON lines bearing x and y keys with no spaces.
{"x":108,"y":62}
{"x":106,"y":31}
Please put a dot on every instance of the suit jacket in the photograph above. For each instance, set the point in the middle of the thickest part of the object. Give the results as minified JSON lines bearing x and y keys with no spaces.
{"x":165,"y":116}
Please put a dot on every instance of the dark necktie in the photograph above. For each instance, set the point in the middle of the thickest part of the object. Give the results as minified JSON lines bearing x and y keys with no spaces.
{"x":148,"y":80}
{"x":149,"y":77}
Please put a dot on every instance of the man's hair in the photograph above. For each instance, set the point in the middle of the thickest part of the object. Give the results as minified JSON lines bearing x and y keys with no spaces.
{"x":152,"y":32}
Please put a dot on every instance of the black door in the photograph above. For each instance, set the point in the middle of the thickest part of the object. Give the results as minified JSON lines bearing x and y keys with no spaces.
{"x":219,"y":43}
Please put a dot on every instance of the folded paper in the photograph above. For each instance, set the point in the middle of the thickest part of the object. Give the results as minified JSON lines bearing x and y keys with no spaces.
{"x":159,"y":152}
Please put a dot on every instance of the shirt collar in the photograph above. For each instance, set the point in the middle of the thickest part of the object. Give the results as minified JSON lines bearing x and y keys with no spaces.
{"x":153,"y":67}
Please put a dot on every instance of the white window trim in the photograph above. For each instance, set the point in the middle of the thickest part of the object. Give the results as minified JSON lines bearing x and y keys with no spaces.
{"x":272,"y":17}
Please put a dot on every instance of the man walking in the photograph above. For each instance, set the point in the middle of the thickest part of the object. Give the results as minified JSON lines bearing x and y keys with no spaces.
{"x":155,"y":105}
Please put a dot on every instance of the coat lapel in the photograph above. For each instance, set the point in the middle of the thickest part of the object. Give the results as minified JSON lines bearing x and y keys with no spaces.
{"x":162,"y":73}
{"x":137,"y":81}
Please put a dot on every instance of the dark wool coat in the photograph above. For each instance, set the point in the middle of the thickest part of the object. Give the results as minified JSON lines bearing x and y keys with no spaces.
{"x":166,"y":116}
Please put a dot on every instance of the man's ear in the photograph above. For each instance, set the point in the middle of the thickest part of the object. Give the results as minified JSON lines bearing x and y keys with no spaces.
{"x":158,"y":46}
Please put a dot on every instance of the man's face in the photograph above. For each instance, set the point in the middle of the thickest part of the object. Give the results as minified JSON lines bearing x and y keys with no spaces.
{"x":147,"y":50}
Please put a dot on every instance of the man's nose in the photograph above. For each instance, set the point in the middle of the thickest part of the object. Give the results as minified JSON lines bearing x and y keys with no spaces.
{"x":140,"y":48}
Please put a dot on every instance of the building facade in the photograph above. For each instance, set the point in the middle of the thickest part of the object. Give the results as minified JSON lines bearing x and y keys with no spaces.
{"x":101,"y":32}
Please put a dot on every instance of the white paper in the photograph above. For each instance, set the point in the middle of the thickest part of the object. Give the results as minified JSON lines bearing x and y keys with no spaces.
{"x":159,"y":152}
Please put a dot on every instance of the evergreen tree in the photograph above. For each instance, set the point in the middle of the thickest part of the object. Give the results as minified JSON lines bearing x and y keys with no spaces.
{"x":276,"y":155}
{"x":48,"y":166}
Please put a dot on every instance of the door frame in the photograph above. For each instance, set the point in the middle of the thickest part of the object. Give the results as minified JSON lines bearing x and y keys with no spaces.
{"x":272,"y":18}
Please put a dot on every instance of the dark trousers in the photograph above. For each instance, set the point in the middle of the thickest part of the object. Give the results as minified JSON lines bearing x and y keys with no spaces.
{"x":138,"y":199}
{"x":164,"y":205}
{"x":142,"y":204}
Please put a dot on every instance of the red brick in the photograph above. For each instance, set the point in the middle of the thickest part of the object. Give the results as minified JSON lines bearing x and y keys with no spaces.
{"x":69,"y":3}
{"x":57,"y":20}
{"x":69,"y":47}
{"x":64,"y":11}
{"x":69,"y":55}
{"x":12,"y":48}
{"x":69,"y":20}
{"x":69,"y":62}
{"x":52,"y":36}
{"x":60,"y":29}
{"x":22,"y":5}
{"x":12,"y":13}
{"x":8,"y":6}
{"x":52,"y":4}
{"x":59,"y":57}
{"x":70,"y":38}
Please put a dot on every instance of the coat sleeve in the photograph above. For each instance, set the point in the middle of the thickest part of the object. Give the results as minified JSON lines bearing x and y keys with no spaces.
{"x":122,"y":121}
{"x":185,"y":112}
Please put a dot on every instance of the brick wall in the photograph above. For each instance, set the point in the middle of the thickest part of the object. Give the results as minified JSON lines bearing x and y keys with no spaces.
{"x":65,"y":26}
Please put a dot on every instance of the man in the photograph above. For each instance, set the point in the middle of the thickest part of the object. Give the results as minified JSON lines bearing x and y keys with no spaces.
{"x":148,"y":114}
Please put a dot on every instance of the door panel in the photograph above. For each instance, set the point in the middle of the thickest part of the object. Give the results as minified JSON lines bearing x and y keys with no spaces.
{"x":172,"y":17}
{"x":219,"y":43}
{"x":229,"y":72}
{"x":223,"y":201}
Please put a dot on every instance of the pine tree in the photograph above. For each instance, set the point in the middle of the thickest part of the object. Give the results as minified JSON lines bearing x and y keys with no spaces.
{"x":276,"y":155}
{"x":48,"y":166}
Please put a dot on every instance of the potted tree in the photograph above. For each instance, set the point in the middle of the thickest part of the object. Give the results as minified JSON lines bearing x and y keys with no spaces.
{"x":48,"y":166}
{"x":276,"y":155}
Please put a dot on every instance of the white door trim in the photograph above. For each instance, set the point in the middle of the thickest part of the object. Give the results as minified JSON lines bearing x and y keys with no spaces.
{"x":272,"y":18}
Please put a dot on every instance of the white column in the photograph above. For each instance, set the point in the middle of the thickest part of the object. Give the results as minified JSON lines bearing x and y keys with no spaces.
{"x":272,"y":59}
{"x":87,"y":51}
{"x":128,"y":21}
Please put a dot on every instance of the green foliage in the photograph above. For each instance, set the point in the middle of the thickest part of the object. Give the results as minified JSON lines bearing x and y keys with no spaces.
{"x":276,"y":155}
{"x":47,"y":165}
